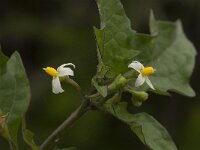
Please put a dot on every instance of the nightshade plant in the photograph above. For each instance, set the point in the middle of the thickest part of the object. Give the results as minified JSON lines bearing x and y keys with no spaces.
{"x":166,"y":49}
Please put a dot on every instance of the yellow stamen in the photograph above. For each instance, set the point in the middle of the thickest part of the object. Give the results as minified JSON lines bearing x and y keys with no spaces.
{"x":147,"y":71}
{"x":51,"y":71}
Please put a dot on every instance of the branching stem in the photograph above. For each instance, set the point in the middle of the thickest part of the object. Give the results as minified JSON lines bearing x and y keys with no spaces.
{"x":84,"y":107}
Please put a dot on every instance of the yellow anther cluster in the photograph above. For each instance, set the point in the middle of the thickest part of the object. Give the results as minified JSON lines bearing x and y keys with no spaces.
{"x":51,"y":71}
{"x":147,"y":71}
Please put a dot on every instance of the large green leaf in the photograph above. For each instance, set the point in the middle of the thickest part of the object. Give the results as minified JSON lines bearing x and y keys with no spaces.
{"x":149,"y":131}
{"x":14,"y":94}
{"x":114,"y":38}
{"x":173,"y":56}
{"x":166,"y":48}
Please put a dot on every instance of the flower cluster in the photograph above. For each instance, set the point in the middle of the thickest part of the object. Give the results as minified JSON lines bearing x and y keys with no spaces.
{"x":63,"y":71}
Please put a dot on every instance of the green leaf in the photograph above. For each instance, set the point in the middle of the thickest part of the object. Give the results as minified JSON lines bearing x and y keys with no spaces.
{"x":28,"y":137}
{"x":14,"y":94}
{"x":149,"y":131}
{"x":113,"y":39}
{"x":166,"y":49}
{"x":173,"y":56}
{"x":102,"y":89}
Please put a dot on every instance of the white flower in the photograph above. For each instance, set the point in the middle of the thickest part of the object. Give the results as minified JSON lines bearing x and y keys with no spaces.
{"x":143,"y":73}
{"x":60,"y":72}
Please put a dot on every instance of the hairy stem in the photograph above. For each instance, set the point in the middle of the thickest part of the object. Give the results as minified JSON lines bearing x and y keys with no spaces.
{"x":68,"y":122}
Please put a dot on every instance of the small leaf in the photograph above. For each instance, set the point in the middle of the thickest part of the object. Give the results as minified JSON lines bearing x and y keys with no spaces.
{"x":14,"y":94}
{"x":152,"y":132}
{"x":28,"y":137}
{"x":102,"y":89}
{"x":149,"y":131}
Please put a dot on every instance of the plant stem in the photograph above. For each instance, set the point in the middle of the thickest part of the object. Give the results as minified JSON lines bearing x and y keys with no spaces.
{"x":73,"y":83}
{"x":11,"y":145}
{"x":68,"y":122}
{"x":85,"y":106}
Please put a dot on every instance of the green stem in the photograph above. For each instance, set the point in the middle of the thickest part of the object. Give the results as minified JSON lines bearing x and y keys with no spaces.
{"x":11,"y":145}
{"x":73,"y":83}
{"x":84,"y":107}
{"x":68,"y":122}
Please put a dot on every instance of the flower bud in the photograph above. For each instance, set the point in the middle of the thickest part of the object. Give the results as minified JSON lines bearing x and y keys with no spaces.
{"x":141,"y":95}
{"x":138,"y":97}
{"x":118,"y":82}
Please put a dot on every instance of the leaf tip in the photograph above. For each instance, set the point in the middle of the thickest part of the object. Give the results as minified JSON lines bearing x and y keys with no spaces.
{"x":16,"y":53}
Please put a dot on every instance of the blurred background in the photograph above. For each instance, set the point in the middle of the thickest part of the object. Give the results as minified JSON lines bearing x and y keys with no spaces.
{"x":53,"y":32}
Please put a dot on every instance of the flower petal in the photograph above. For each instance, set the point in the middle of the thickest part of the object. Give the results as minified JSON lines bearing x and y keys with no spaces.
{"x":139,"y":81}
{"x":65,"y":72}
{"x":136,"y":65}
{"x":149,"y":83}
{"x":56,"y":86}
{"x":62,"y":66}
